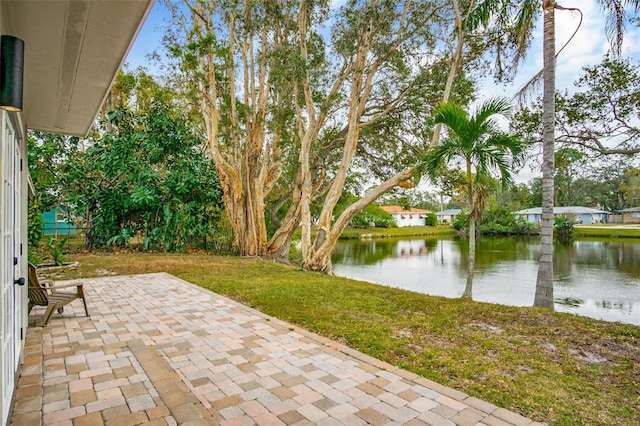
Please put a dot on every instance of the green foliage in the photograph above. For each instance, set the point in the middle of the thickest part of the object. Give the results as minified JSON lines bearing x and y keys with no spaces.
{"x":121,"y":240}
{"x":499,"y":215}
{"x":431,"y":220}
{"x":501,"y":221}
{"x":147,"y":174}
{"x":598,"y":118}
{"x":373,"y":215}
{"x":563,"y":226}
{"x":461,"y":221}
{"x":142,"y":172}
{"x":527,"y":228}
{"x":476,"y":140}
{"x":56,"y":247}
{"x":35,"y":223}
{"x":48,"y":154}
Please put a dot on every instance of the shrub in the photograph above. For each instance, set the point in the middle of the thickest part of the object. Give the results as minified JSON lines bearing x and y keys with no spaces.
{"x":431,"y":220}
{"x":493,"y":228}
{"x":362,"y":220}
{"x":527,"y":228}
{"x":499,"y":215}
{"x":563,"y":226}
{"x":373,"y":215}
{"x":57,"y":247}
{"x":461,"y":221}
{"x":500,"y":221}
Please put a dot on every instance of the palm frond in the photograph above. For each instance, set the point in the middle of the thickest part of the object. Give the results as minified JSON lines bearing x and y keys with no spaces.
{"x":493,"y":106}
{"x":453,"y":117}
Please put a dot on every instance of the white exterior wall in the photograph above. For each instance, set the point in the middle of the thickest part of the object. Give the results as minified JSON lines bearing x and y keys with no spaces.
{"x":13,"y":244}
{"x":410,"y":219}
{"x":446,"y":217}
{"x":13,"y":254}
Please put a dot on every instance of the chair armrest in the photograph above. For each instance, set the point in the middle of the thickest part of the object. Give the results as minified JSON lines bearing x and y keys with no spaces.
{"x":57,"y":287}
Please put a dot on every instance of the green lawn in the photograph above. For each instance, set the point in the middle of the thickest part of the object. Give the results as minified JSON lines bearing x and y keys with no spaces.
{"x":405,"y":231}
{"x":551,"y":367}
{"x":607,"y":231}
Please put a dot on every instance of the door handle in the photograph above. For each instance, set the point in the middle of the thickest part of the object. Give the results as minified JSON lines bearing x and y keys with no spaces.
{"x":20,"y":281}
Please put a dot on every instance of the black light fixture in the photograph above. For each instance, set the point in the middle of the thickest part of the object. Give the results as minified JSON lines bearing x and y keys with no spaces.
{"x":11,"y":72}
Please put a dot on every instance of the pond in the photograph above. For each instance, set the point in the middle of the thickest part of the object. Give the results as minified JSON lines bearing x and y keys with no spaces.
{"x":599,"y":279}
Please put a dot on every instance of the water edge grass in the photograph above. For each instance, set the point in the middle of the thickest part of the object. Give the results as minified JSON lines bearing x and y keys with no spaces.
{"x":552,"y":367}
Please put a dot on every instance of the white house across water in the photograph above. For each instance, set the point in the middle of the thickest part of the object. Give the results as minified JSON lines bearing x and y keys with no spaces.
{"x":58,"y":60}
{"x":585,"y":215}
{"x":411,"y":217}
{"x":448,"y":215}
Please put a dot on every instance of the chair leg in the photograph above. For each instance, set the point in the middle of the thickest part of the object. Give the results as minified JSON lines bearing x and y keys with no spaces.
{"x":48,"y":313}
{"x":86,"y":310}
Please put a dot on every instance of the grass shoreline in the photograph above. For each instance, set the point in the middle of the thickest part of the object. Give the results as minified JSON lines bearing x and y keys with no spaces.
{"x":552,"y":367}
{"x":580,"y":231}
{"x":351,"y":233}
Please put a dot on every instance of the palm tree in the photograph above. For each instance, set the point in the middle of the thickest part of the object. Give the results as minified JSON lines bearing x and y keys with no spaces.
{"x":615,"y":13}
{"x":544,"y":281}
{"x":525,"y":12}
{"x":482,"y":147}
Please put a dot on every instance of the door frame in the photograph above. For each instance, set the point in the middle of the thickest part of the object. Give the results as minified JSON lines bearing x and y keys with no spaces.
{"x":12,"y":257}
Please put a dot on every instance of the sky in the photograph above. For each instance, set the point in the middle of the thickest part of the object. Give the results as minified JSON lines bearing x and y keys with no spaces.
{"x":585,"y":49}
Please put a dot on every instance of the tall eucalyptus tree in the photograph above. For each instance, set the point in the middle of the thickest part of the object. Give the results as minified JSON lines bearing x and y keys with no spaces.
{"x":289,"y":108}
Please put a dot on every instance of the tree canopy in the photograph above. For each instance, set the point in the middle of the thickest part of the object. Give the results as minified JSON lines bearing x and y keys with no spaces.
{"x":600,"y":117}
{"x":142,"y":172}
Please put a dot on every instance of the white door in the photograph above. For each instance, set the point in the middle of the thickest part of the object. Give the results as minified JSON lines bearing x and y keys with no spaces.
{"x":10,"y":258}
{"x":17,"y":254}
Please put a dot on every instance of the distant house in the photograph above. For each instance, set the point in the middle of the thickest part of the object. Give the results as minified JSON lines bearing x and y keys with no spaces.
{"x":411,"y":217}
{"x":448,"y":215}
{"x":631,"y":215}
{"x":57,"y":222}
{"x":585,"y":215}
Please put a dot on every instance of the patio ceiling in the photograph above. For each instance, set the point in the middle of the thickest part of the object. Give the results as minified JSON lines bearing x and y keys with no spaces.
{"x":73,"y":50}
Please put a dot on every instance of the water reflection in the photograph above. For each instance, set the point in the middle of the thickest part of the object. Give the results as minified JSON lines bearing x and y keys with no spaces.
{"x":600,"y":279}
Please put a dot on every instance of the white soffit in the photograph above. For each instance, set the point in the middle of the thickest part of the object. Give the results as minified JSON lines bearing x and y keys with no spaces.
{"x":73,"y":51}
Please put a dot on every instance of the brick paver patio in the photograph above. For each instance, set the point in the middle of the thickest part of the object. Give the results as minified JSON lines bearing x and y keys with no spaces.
{"x":160,"y":351}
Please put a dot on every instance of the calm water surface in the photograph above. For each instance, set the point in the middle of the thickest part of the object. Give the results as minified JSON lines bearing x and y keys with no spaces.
{"x":599,"y":279}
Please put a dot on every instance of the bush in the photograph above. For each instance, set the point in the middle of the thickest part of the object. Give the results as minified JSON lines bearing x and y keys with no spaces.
{"x":501,"y":216}
{"x":500,"y":221}
{"x":461,"y":221}
{"x":362,"y":220}
{"x":431,"y":220}
{"x":527,"y":228}
{"x":563,"y":226}
{"x":57,"y":248}
{"x":494,"y":228}
{"x":373,"y":215}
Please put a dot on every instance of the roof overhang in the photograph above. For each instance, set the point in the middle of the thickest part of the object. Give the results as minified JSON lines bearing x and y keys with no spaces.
{"x":73,"y":51}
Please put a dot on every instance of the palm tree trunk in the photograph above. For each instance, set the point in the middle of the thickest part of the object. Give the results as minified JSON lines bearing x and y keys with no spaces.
{"x":468,"y":289}
{"x":544,"y":284}
{"x":472,"y":237}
